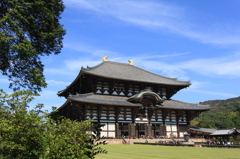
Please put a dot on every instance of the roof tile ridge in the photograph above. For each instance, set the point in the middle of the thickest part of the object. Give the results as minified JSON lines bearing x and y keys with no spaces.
{"x":93,"y":67}
{"x":191,"y":103}
{"x":175,"y":79}
{"x":85,"y":94}
{"x":119,"y":63}
{"x":102,"y":63}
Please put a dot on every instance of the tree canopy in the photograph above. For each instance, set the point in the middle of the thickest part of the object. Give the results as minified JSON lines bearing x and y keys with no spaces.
{"x":34,"y":134}
{"x":223,"y":114}
{"x":29,"y":29}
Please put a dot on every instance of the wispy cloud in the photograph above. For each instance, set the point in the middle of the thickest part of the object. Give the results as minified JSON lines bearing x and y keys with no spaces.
{"x":91,"y":50}
{"x":54,"y":82}
{"x":49,"y":98}
{"x":220,"y":66}
{"x":149,"y":56}
{"x":169,"y":70}
{"x":76,"y":64}
{"x":164,"y":17}
{"x":59,"y":71}
{"x":202,"y":88}
{"x":227,"y":66}
{"x":2,"y":80}
{"x":223,"y":94}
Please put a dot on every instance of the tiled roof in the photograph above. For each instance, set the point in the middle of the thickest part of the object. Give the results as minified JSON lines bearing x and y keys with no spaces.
{"x":175,"y":104}
{"x":225,"y":131}
{"x":206,"y":130}
{"x":122,"y":101}
{"x":122,"y":71}
{"x":216,"y":131}
{"x":102,"y":99}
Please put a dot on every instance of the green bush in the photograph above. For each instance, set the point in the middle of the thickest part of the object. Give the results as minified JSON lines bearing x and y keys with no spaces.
{"x":32,"y":134}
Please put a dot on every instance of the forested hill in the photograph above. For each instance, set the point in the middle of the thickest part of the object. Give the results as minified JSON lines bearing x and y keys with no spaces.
{"x":223,"y":114}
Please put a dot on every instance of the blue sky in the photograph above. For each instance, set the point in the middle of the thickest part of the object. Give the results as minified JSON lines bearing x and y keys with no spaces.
{"x":196,"y":41}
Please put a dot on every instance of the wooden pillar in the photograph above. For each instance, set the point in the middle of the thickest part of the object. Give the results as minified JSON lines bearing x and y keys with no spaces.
{"x":149,"y":130}
{"x":137,"y":130}
{"x":118,"y":131}
{"x":100,"y":108}
{"x":177,"y":120}
{"x":132,"y":130}
{"x":145,"y":130}
{"x":163,"y":130}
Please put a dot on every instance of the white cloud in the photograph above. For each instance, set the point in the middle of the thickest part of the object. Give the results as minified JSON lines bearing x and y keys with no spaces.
{"x":228,"y":66}
{"x":49,"y":98}
{"x":2,"y":80}
{"x":162,"y":16}
{"x":228,"y":95}
{"x":197,"y":84}
{"x":59,"y":71}
{"x":91,"y":50}
{"x":77,"y":64}
{"x":168,"y":70}
{"x":54,"y":82}
{"x":148,"y":56}
{"x":220,"y":66}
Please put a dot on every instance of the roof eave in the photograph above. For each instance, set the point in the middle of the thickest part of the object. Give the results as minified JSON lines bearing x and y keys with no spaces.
{"x":185,"y":85}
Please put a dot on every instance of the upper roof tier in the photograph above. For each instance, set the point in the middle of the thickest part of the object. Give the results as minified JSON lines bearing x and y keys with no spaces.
{"x":122,"y":71}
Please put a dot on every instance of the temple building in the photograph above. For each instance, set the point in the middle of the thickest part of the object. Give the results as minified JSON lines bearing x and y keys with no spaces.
{"x":130,"y":101}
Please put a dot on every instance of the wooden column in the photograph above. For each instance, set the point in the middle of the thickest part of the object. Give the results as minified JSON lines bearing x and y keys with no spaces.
{"x":149,"y":130}
{"x":146,"y":130}
{"x":132,"y":130}
{"x":177,"y":120}
{"x":118,"y":132}
{"x":163,"y":130}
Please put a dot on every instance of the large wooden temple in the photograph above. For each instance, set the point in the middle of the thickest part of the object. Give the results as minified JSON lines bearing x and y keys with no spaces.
{"x":130,"y":101}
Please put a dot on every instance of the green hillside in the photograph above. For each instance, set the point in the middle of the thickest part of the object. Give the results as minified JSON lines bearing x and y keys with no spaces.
{"x":223,"y":114}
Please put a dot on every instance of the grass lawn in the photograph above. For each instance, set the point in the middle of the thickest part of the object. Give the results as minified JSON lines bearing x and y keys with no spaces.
{"x":166,"y":152}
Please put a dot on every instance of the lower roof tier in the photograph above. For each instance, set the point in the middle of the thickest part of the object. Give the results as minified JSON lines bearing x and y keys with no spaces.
{"x":123,"y":101}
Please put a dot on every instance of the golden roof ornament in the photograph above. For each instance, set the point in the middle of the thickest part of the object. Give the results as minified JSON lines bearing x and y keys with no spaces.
{"x":104,"y":58}
{"x":131,"y":62}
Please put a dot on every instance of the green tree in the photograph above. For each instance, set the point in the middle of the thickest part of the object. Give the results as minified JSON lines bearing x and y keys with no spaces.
{"x":21,"y":131}
{"x":34,"y":134}
{"x":29,"y":29}
{"x":68,"y":139}
{"x":236,"y":121}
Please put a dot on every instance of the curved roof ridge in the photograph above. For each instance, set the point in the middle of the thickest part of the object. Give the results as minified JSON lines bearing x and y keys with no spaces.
{"x":133,"y":66}
{"x":176,"y":79}
{"x":93,"y":67}
{"x":189,"y":103}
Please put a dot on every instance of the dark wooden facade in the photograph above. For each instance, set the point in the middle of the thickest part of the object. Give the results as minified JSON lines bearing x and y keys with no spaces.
{"x":127,"y":102}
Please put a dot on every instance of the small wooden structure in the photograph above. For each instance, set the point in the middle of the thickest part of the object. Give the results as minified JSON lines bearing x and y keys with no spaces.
{"x":208,"y":133}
